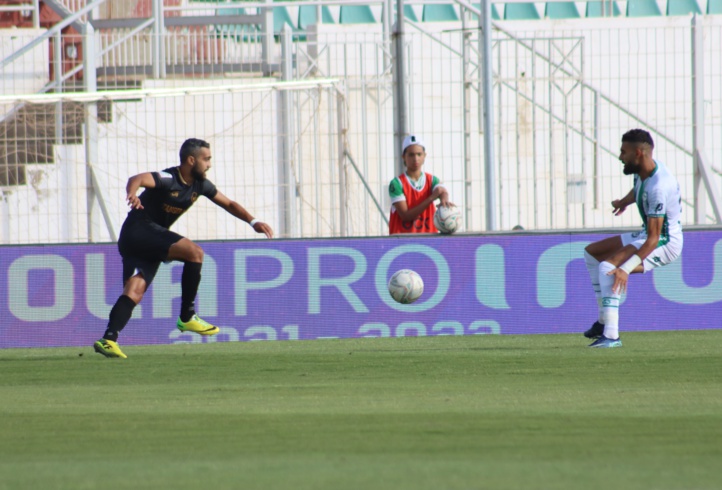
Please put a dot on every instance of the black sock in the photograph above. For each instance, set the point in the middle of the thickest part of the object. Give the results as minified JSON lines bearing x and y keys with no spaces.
{"x":119,"y":316}
{"x":190,"y":280}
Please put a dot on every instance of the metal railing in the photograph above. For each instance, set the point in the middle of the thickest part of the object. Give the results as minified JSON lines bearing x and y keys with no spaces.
{"x":143,"y":48}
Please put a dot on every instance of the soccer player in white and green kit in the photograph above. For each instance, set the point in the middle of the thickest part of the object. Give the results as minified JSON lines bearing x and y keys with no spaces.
{"x":610,"y":261}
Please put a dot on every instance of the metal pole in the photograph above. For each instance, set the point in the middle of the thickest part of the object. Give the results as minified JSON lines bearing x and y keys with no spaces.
{"x":91,"y":124}
{"x":704,"y":189}
{"x":36,"y":14}
{"x":400,"y":123}
{"x":95,"y":192}
{"x":552,"y":176}
{"x":597,"y":149}
{"x":466,"y":102}
{"x":535,"y":160}
{"x":700,"y":197}
{"x":285,"y":140}
{"x":58,"y":60}
{"x":342,"y":182}
{"x":267,"y":40}
{"x":5,"y":213}
{"x":488,"y":99}
{"x":158,"y":45}
{"x":585,"y":169}
{"x":386,"y":17}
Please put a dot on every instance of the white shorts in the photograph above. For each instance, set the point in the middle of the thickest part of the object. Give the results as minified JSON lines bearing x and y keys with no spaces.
{"x":660,"y":256}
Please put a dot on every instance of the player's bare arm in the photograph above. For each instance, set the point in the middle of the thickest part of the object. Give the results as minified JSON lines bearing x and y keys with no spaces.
{"x":235,"y":209}
{"x":444,"y":197}
{"x":134,"y":183}
{"x":620,"y":205}
{"x":407,"y":214}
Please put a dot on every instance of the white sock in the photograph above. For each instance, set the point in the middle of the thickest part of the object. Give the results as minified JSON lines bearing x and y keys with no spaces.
{"x":610,"y":301}
{"x":593,"y":268}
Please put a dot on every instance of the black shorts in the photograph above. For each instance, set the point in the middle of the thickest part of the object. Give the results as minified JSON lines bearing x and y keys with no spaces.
{"x":143,"y":245}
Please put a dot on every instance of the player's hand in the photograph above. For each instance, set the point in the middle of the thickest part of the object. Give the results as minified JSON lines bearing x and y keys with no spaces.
{"x":262,"y":227}
{"x":446,"y":203}
{"x":134,"y":202}
{"x":620,"y":281}
{"x":618,"y":206}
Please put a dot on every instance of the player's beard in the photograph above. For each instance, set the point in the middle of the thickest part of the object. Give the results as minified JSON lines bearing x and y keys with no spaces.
{"x":630,"y":168}
{"x":197,"y":174}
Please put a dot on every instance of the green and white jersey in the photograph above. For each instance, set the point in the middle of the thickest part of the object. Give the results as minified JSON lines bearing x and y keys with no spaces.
{"x":396,"y":189}
{"x":658,"y":196}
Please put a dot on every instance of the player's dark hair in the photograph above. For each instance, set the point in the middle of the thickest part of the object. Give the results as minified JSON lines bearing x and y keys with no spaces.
{"x":638,"y":136}
{"x":190,"y":148}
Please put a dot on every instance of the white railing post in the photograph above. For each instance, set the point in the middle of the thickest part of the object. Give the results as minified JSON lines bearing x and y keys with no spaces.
{"x":342,"y":180}
{"x":90,"y":135}
{"x":466,"y":70}
{"x":58,"y":60}
{"x":702,"y":169}
{"x":158,"y":41}
{"x":267,"y":37}
{"x":286,"y":183}
{"x":700,"y":198}
{"x":597,"y":150}
{"x":400,"y":123}
{"x":36,"y":14}
{"x":487,"y":80}
{"x":91,"y":129}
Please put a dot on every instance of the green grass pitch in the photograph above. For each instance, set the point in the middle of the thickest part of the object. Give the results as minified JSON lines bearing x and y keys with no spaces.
{"x":496,"y":412}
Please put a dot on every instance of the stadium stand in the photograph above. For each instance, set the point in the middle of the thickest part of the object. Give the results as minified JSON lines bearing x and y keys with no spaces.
{"x":596,"y":9}
{"x":244,"y":32}
{"x":356,"y":14}
{"x":714,"y":7}
{"x":439,"y":13}
{"x":307,"y":16}
{"x":494,"y":12}
{"x":683,"y":7}
{"x":561,"y":10}
{"x":643,"y":8}
{"x":281,"y":17}
{"x":521,"y":11}
{"x":410,"y":14}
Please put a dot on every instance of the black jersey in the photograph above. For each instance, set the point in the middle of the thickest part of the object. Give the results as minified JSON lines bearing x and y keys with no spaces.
{"x":171,"y":197}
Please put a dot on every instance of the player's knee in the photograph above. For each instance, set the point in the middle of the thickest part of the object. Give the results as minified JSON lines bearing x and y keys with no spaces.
{"x":135,"y":288}
{"x":134,"y":291}
{"x":606,"y":267}
{"x":196,"y":254}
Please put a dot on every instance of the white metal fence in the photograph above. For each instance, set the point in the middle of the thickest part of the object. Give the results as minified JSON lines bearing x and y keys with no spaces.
{"x":564,"y":92}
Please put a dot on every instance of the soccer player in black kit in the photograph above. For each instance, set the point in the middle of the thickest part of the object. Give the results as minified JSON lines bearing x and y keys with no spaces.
{"x":145,"y":239}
